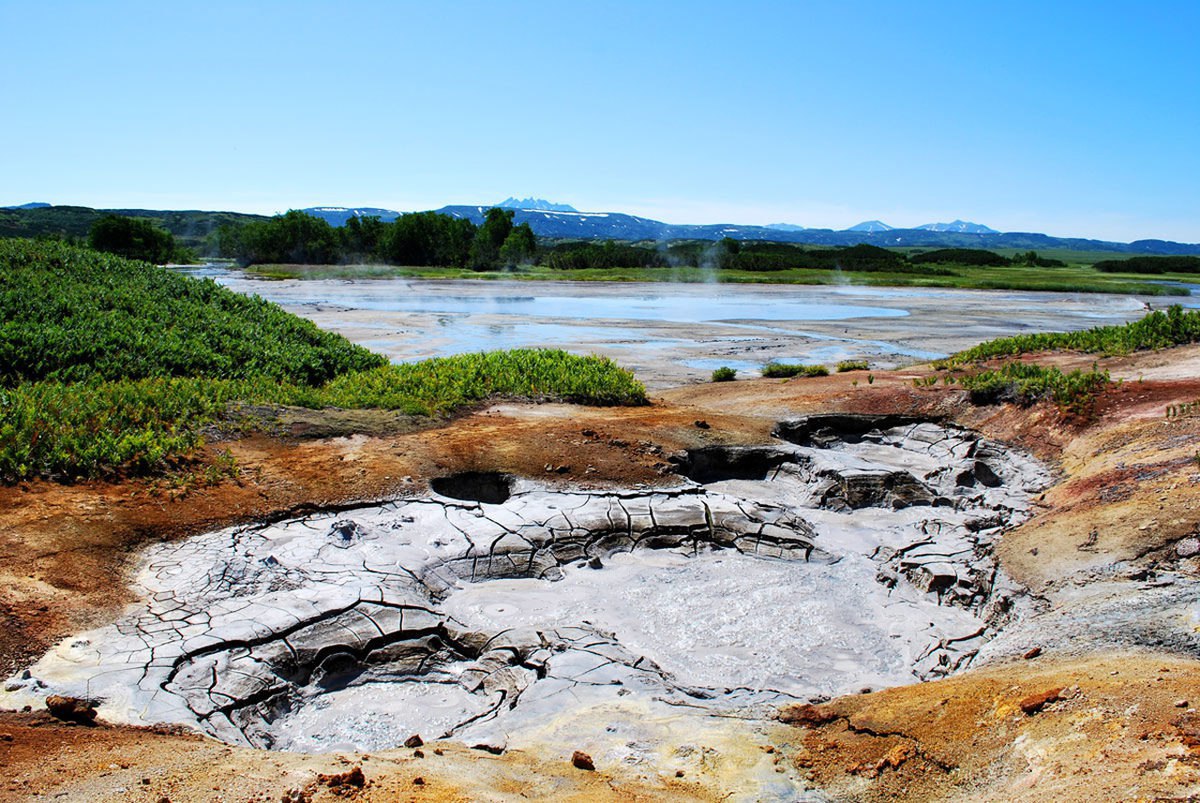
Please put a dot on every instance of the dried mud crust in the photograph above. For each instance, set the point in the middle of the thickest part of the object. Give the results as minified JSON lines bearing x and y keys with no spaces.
{"x":64,"y":549}
{"x":266,"y":635}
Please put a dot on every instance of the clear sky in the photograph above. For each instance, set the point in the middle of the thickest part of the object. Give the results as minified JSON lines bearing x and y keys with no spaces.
{"x":1072,"y":118}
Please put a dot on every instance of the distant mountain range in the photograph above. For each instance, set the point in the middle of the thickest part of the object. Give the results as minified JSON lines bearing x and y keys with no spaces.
{"x":537,"y":204}
{"x":553,"y":220}
{"x":338,"y":215}
{"x":958,"y":234}
{"x":960,"y":226}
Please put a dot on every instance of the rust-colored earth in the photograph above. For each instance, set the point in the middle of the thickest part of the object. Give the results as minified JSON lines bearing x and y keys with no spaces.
{"x":1100,"y":726}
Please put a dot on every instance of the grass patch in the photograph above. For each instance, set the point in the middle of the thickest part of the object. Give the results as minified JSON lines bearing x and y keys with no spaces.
{"x":1074,"y":278}
{"x":776,"y":370}
{"x":852,"y":365}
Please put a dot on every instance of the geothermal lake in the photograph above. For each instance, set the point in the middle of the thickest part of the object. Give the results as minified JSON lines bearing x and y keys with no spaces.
{"x":671,"y":334}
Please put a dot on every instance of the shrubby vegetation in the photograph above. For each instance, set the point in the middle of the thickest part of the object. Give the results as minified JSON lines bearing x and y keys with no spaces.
{"x":136,"y":238}
{"x":724,"y":374}
{"x":776,"y":370}
{"x":852,"y":365}
{"x":72,"y":314}
{"x":1155,"y":331}
{"x":91,"y":429}
{"x":109,"y":365}
{"x":1026,"y":383}
{"x":1152,"y":265}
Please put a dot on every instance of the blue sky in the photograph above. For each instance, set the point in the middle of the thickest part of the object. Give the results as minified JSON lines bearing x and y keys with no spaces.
{"x":1070,"y":118}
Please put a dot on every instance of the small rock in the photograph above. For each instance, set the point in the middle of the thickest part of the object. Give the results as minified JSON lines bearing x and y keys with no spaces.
{"x":1036,"y":702}
{"x":71,"y":709}
{"x":353,"y":777}
{"x":418,"y":781}
{"x":595,"y":563}
{"x":700,"y":424}
{"x":806,"y":715}
{"x":1188,"y":547}
{"x":1181,"y":703}
{"x":437,"y":751}
{"x":678,"y":773}
{"x":414,"y":741}
{"x":488,"y":748}
{"x":581,"y":760}
{"x":418,"y":754}
{"x":1031,"y":654}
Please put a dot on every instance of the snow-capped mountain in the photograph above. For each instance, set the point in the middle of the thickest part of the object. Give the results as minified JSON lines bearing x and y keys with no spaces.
{"x":535,"y":204}
{"x":872,"y":226}
{"x":338,"y":215}
{"x":959,"y":226}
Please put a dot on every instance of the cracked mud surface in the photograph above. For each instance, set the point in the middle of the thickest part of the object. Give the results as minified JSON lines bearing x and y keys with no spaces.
{"x":481,"y":620}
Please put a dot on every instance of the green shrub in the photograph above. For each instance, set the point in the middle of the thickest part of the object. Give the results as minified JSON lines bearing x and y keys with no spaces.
{"x":724,"y":374}
{"x":779,"y":369}
{"x":1026,"y":383}
{"x":852,"y":365}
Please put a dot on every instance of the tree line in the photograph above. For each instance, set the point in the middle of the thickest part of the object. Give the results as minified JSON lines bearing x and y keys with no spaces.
{"x":417,"y":239}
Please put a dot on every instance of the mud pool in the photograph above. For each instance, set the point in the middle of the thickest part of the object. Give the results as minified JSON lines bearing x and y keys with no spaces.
{"x":669,"y":334}
{"x":853,"y":552}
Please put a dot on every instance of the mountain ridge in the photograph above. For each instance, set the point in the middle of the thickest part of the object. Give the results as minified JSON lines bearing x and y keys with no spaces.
{"x":535,"y":204}
{"x":194,"y":226}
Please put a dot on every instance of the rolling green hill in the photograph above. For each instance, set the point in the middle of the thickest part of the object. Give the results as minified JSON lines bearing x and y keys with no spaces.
{"x":192,"y":229}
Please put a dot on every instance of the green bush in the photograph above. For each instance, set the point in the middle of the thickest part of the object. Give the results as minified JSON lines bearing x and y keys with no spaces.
{"x":724,"y":374}
{"x":1026,"y":383}
{"x":776,"y":370}
{"x":852,"y":365}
